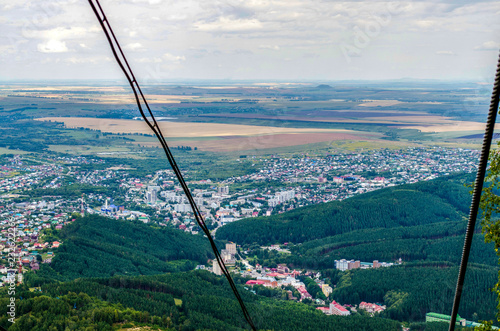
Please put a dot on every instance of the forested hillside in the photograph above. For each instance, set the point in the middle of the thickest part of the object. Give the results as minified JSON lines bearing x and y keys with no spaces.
{"x":432,"y":242}
{"x":96,"y":246}
{"x":204,"y":301}
{"x":425,"y":281}
{"x":412,"y":290}
{"x":440,"y":200}
{"x":422,"y":224}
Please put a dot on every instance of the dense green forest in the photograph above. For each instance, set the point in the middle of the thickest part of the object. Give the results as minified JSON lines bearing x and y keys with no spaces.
{"x":96,"y":246}
{"x":205,"y":301}
{"x":412,"y":290}
{"x":440,"y":200}
{"x":39,"y":312}
{"x":432,"y":242}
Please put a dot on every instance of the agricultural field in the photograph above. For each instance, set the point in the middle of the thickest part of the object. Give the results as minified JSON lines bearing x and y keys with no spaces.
{"x":242,"y":117}
{"x":180,"y":129}
{"x":217,"y":137}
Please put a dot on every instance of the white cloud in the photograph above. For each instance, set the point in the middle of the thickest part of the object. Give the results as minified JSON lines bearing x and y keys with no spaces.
{"x":488,"y":46}
{"x":7,"y":49}
{"x":427,"y":24}
{"x":151,"y":2}
{"x":134,"y":47}
{"x":61,"y":33}
{"x":192,"y":37}
{"x":149,"y":60}
{"x":445,"y":53}
{"x":52,"y":46}
{"x":173,"y":58}
{"x":226,"y":24}
{"x":15,"y":5}
{"x":93,"y":60}
{"x":272,"y":47}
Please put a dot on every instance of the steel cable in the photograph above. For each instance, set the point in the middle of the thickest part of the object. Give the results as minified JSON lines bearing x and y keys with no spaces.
{"x":476,"y":195}
{"x":153,"y":125}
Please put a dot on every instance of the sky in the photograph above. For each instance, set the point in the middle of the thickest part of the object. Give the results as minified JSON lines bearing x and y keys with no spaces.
{"x":283,"y":40}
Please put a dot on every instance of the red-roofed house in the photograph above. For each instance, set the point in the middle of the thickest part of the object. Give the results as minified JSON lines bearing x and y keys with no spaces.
{"x":371,"y":307}
{"x":303,"y":293}
{"x":337,"y":309}
{"x":255,"y":282}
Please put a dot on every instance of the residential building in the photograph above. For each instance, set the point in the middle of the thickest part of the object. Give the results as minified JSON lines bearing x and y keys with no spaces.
{"x":326,"y":289}
{"x":231,"y":248}
{"x":223,"y":190}
{"x":344,"y":265}
{"x":216,"y":268}
{"x":371,"y":308}
{"x":337,"y":309}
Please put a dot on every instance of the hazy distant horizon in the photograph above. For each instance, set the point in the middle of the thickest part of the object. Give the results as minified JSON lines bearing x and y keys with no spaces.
{"x":189,"y":81}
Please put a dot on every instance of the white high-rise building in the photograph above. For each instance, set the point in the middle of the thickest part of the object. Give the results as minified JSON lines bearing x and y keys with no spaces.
{"x":151,"y":197}
{"x":223,"y":189}
{"x":216,"y":268}
{"x":152,"y":194}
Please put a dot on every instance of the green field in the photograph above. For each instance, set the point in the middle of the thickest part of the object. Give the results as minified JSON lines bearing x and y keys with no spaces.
{"x":4,"y":150}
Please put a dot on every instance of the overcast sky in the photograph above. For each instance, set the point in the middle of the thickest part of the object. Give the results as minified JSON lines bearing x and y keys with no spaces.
{"x":252,"y":39}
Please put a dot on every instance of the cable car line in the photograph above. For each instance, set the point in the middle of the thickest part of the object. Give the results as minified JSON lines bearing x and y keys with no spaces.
{"x":153,"y":125}
{"x":476,"y":195}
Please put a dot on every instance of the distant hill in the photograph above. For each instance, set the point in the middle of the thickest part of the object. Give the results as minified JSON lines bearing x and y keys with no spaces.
{"x":96,"y":246}
{"x":440,"y":200}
